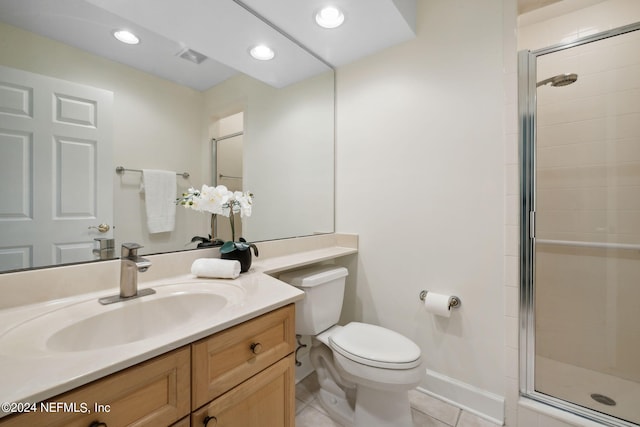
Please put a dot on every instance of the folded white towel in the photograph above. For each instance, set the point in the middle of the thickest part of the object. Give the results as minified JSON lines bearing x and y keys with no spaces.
{"x":216,"y":268}
{"x":160,"y":199}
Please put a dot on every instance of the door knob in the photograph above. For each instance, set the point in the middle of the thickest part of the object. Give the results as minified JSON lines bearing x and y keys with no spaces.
{"x":103,"y":228}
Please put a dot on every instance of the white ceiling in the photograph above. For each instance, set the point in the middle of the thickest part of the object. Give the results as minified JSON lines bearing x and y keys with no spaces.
{"x":223,"y":30}
{"x":370,"y":25}
{"x":525,"y":6}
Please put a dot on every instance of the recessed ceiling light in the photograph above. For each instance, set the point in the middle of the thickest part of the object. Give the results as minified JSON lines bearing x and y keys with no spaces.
{"x":330,"y":17}
{"x":262,"y":52}
{"x":126,"y":37}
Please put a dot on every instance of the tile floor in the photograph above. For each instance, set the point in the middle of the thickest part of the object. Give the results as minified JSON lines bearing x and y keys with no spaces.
{"x":427,"y":411}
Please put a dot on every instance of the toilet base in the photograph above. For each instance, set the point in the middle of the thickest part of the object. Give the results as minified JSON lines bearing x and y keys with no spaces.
{"x":338,"y":407}
{"x":357,"y":405}
{"x":336,"y":396}
{"x":382,"y":409}
{"x":373,"y":408}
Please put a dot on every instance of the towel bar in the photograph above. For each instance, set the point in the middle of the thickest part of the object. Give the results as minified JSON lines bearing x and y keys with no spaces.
{"x":120,"y":170}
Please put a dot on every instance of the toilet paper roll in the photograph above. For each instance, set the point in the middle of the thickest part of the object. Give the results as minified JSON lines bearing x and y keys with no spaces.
{"x":437,"y":304}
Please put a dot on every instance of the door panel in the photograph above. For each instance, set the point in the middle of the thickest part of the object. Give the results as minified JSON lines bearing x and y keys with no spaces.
{"x":55,"y":169}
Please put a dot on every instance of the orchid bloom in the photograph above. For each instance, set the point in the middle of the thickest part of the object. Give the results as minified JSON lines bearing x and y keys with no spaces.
{"x":218,"y":200}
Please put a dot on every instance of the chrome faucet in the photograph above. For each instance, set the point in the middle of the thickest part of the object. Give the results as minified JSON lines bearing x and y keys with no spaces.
{"x":130,"y":265}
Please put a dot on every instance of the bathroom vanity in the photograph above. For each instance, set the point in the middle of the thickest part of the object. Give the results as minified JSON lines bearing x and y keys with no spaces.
{"x":259,"y":351}
{"x":242,"y":374}
{"x":234,"y":365}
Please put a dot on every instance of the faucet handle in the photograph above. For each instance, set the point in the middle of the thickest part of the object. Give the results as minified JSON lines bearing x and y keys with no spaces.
{"x":105,"y":243}
{"x":130,"y":249}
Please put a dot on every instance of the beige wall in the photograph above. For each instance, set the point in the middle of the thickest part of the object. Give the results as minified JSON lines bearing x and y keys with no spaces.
{"x":228,"y":160}
{"x":157,"y":125}
{"x":288,"y":133}
{"x":421,"y":179}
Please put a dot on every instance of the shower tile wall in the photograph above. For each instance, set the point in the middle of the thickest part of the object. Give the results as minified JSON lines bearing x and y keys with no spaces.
{"x":567,"y":20}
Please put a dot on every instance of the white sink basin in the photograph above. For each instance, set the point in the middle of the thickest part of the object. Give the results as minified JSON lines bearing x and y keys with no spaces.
{"x":90,"y":326}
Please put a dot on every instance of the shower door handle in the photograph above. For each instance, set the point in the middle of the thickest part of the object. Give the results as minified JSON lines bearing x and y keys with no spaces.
{"x":532,"y":224}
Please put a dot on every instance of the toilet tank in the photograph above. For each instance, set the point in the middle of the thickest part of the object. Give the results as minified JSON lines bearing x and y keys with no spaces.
{"x":323,"y":287}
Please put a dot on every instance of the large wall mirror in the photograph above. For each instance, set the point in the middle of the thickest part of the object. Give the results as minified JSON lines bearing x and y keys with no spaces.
{"x":152,"y":112}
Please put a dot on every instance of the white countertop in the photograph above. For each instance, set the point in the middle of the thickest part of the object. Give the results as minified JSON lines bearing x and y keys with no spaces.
{"x":42,"y":375}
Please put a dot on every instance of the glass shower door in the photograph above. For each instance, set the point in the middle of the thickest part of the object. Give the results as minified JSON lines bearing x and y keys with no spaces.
{"x":583,"y":236}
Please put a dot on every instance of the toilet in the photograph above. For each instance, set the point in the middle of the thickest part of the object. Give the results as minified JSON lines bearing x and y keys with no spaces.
{"x":365,"y":371}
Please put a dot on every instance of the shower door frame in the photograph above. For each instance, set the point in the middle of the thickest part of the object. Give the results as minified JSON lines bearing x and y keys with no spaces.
{"x":527,"y":79}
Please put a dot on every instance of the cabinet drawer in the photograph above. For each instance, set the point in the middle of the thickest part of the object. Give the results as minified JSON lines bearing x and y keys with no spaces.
{"x":154,"y":393}
{"x":223,"y":361}
{"x":265,"y":400}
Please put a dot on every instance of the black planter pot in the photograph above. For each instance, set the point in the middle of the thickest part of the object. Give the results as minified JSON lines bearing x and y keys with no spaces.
{"x":239,"y":251}
{"x":243,"y":256}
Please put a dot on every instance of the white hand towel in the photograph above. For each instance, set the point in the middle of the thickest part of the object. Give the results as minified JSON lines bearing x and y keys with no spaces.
{"x":160,"y":199}
{"x":215,"y":268}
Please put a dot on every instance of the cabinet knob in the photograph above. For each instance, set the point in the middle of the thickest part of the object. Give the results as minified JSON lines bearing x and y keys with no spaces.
{"x":206,"y":420}
{"x":256,"y":348}
{"x":97,"y":424}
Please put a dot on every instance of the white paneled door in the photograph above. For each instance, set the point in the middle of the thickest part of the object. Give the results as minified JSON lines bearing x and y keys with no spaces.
{"x":56,"y":183}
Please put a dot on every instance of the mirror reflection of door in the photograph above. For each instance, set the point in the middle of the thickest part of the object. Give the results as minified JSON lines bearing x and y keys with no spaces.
{"x":55,"y":170}
{"x":228,"y":161}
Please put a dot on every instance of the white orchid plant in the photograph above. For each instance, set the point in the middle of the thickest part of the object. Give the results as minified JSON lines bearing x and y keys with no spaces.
{"x":221,"y":201}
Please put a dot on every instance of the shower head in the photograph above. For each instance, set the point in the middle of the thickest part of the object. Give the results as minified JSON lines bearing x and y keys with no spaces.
{"x":559,"y":80}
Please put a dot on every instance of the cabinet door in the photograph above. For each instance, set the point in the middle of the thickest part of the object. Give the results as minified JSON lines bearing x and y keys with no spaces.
{"x":185,"y":422}
{"x":265,"y":400}
{"x":154,"y":393}
{"x":225,"y":360}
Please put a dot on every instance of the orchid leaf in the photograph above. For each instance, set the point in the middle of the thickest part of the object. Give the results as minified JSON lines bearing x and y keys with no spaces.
{"x":199,"y":239}
{"x":239,"y":246}
{"x":242,"y":246}
{"x":228,"y":247}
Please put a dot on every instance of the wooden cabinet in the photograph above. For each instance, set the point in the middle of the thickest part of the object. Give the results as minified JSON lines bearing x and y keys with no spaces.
{"x":185,"y":422}
{"x":224,"y":360}
{"x":243,"y":376}
{"x":153,"y":393}
{"x":265,"y":400}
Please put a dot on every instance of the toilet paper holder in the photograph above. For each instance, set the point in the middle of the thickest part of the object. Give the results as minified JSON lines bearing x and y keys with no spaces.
{"x":454,"y":301}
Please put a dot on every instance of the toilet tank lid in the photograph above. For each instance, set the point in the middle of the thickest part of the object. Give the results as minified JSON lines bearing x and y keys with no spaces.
{"x":313,"y":276}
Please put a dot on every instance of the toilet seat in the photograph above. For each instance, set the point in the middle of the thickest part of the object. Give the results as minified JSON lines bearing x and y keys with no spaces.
{"x":375,"y":346}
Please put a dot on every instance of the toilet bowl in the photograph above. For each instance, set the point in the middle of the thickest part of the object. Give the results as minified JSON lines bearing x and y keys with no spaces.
{"x":364,"y":371}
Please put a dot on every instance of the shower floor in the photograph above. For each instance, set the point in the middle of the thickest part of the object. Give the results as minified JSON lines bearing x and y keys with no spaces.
{"x":576,"y":385}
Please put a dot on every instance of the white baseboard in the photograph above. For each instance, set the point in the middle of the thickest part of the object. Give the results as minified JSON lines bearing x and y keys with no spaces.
{"x":482,"y":403}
